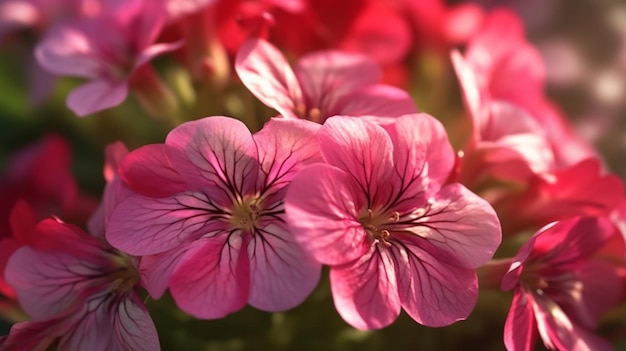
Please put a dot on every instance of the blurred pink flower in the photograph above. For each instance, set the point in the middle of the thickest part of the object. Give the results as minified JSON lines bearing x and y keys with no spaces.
{"x":108,"y":58}
{"x":394,"y":234}
{"x":583,"y":189}
{"x":209,"y":210}
{"x":323,"y":84}
{"x":563,"y":281}
{"x":502,"y":77}
{"x":39,"y":175}
{"x":77,"y":290}
{"x":519,"y":139}
{"x":41,"y":14}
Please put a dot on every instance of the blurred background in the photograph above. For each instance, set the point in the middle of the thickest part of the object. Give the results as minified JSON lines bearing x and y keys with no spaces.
{"x":583,"y":43}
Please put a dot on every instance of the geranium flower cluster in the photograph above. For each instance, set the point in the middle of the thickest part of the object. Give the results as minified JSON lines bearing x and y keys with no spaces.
{"x":324,"y":161}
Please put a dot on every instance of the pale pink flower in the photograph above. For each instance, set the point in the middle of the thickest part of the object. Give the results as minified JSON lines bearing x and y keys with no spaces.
{"x":379,"y":213}
{"x":209,"y":210}
{"x":107,"y":58}
{"x":322,"y":84}
{"x":517,"y":131}
{"x":563,"y":280}
{"x":78,"y":290}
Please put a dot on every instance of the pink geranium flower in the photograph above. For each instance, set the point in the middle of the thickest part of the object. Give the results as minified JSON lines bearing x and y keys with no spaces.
{"x":394,"y":234}
{"x":108,"y":58}
{"x":563,"y":280}
{"x":322,"y":84}
{"x":78,"y":290}
{"x":209,"y":210}
{"x":516,"y":130}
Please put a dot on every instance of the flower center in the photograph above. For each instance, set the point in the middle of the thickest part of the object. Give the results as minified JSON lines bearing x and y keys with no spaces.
{"x":314,"y":114}
{"x":245,"y":213}
{"x":541,"y":277}
{"x":376,"y":225}
{"x":125,"y":277}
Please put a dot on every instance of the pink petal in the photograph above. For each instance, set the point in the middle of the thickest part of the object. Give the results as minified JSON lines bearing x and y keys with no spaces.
{"x":494,"y":161}
{"x":220,"y":157}
{"x":559,"y":332}
{"x":111,"y":323}
{"x":376,"y":100}
{"x":35,"y":335}
{"x":142,"y":21}
{"x":179,"y":8}
{"x":365,"y":291}
{"x":472,"y":96}
{"x":134,"y":329}
{"x":602,"y":289}
{"x":145,"y":226}
{"x":213,"y":280}
{"x":22,"y":223}
{"x":54,"y":236}
{"x":321,"y":207}
{"x":156,"y":270}
{"x":96,"y":96}
{"x":48,"y":283}
{"x":67,"y":50}
{"x":17,"y":13}
{"x":421,"y":149}
{"x":114,"y":191}
{"x":568,"y":241}
{"x":433,"y":290}
{"x":505,"y":119}
{"x":114,"y":154}
{"x":460,"y":223}
{"x":578,"y":190}
{"x":363,"y":150}
{"x":285,"y":146}
{"x":148,"y":171}
{"x":327,"y":76}
{"x":155,"y":50}
{"x":282,"y":274}
{"x":520,"y":327}
{"x":267,"y":74}
{"x":510,"y":127}
{"x":381,"y":32}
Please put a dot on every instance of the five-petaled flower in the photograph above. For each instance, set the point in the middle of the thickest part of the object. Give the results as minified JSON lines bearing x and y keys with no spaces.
{"x":77,"y":289}
{"x":208,"y":209}
{"x":563,"y":280}
{"x":380,"y":213}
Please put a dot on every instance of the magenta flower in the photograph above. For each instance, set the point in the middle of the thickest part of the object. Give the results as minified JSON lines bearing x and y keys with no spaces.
{"x":394,"y":234}
{"x":79,"y":291}
{"x":563,"y":281}
{"x":323,"y":84}
{"x":209,"y":211}
{"x":108,"y":58}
